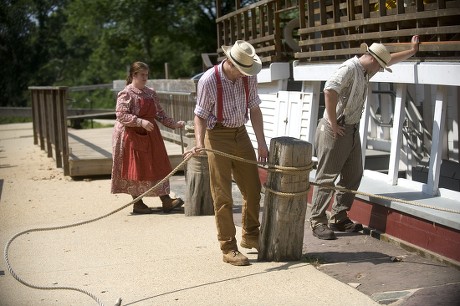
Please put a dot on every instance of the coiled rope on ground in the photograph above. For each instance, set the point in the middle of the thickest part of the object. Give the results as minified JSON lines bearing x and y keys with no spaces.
{"x":95,"y":298}
{"x":270,"y":168}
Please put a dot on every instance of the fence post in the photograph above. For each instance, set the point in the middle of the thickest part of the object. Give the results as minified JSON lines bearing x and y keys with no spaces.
{"x":34,"y":104}
{"x":55,"y":127}
{"x":63,"y":139}
{"x":48,"y":120}
{"x":285,"y":203}
{"x":40,"y":112}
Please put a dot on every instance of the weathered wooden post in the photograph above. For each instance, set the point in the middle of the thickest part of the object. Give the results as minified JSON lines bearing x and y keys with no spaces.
{"x":285,"y":203}
{"x":198,"y":194}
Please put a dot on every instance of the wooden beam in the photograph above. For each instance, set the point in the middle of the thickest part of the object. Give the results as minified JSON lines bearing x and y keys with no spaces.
{"x":90,"y":87}
{"x":440,"y":45}
{"x":385,"y":19}
{"x":105,"y":115}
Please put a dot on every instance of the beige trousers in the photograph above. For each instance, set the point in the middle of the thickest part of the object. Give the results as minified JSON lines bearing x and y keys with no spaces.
{"x":234,"y":141}
{"x":336,"y":157}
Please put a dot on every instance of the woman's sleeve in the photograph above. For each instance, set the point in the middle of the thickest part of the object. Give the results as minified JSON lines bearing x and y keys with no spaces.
{"x":124,"y":110}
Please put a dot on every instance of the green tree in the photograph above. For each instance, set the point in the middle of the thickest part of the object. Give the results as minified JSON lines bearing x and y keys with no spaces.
{"x":104,"y":37}
{"x":29,"y":34}
{"x":15,"y":29}
{"x":84,"y":42}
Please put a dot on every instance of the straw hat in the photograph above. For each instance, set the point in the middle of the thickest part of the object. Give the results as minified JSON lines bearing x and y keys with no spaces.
{"x":243,"y":55}
{"x":380,"y":53}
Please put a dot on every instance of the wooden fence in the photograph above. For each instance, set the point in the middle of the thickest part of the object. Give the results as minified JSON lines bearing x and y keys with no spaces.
{"x":50,"y":115}
{"x":319,"y":30}
{"x":178,"y":99}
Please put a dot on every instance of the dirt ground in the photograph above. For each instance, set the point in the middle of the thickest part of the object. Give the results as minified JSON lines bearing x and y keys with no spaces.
{"x":384,"y":271}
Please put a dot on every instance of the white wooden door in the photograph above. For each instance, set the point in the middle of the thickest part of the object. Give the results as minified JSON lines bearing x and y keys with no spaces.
{"x":288,"y":113}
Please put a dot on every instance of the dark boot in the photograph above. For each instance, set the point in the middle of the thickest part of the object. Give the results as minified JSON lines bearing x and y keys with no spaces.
{"x":140,"y":208}
{"x":346,"y":226}
{"x":321,"y":231}
{"x":170,"y":204}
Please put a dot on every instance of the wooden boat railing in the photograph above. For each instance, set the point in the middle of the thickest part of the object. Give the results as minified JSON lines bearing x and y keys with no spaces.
{"x":318,"y":30}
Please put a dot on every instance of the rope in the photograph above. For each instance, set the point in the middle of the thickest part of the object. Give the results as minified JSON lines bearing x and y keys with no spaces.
{"x":286,"y":194}
{"x":284,"y":169}
{"x":98,"y":301}
{"x":370,"y":195}
{"x":271,"y":168}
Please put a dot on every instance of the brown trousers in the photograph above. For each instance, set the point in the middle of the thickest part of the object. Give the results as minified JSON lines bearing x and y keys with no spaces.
{"x":234,"y":141}
{"x":340,"y":156}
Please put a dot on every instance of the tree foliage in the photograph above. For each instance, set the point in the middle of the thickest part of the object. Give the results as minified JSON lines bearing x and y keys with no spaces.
{"x":82,"y":42}
{"x":29,"y":34}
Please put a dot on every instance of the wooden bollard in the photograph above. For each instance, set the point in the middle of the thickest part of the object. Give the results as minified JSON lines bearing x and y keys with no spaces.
{"x":285,"y":203}
{"x":198,"y":194}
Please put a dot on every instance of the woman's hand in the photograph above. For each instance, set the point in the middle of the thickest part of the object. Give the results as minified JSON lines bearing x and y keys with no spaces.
{"x":147,"y":125}
{"x":180,"y":124}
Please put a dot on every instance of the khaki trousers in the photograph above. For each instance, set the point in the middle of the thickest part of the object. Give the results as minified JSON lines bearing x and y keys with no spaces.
{"x":234,"y":141}
{"x":341,"y":156}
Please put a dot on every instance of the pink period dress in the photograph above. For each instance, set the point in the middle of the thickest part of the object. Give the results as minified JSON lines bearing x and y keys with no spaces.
{"x":140,"y":159}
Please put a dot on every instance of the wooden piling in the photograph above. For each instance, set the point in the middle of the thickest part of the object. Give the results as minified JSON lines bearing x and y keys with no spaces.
{"x":198,"y":194}
{"x":285,"y":203}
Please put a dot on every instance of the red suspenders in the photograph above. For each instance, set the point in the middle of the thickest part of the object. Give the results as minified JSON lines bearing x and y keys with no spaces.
{"x":220,"y":105}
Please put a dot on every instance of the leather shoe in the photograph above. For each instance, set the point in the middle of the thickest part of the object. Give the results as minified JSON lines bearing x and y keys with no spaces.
{"x":346,"y":226}
{"x":141,"y":209}
{"x":171,"y":204}
{"x":321,"y":231}
{"x":236,"y":258}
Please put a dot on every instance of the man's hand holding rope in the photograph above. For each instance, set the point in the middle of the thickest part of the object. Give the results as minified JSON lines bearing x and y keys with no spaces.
{"x":193,"y":151}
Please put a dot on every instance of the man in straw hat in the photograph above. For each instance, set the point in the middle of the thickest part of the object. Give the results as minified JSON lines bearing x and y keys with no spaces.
{"x":226,"y":98}
{"x":337,"y":141}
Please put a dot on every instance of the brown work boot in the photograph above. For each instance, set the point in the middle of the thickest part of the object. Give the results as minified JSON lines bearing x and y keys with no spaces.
{"x":250,"y":243}
{"x":140,"y":208}
{"x":170,"y":204}
{"x":236,"y":258}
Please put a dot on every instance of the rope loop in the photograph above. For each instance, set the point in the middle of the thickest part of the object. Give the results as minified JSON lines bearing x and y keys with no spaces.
{"x":287,"y":194}
{"x":286,"y":169}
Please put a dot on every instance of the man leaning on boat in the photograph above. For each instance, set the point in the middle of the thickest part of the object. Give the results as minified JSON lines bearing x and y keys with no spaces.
{"x":337,"y":139}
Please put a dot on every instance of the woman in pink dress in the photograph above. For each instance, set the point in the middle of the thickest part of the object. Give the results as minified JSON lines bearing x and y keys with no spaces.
{"x":140,"y":159}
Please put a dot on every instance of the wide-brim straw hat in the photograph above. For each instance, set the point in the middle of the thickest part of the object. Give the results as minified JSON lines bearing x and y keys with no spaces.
{"x":243,"y":55}
{"x":380,"y":53}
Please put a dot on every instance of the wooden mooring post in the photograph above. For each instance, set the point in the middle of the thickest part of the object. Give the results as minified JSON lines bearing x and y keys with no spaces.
{"x":198,"y":194}
{"x":285,"y":203}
